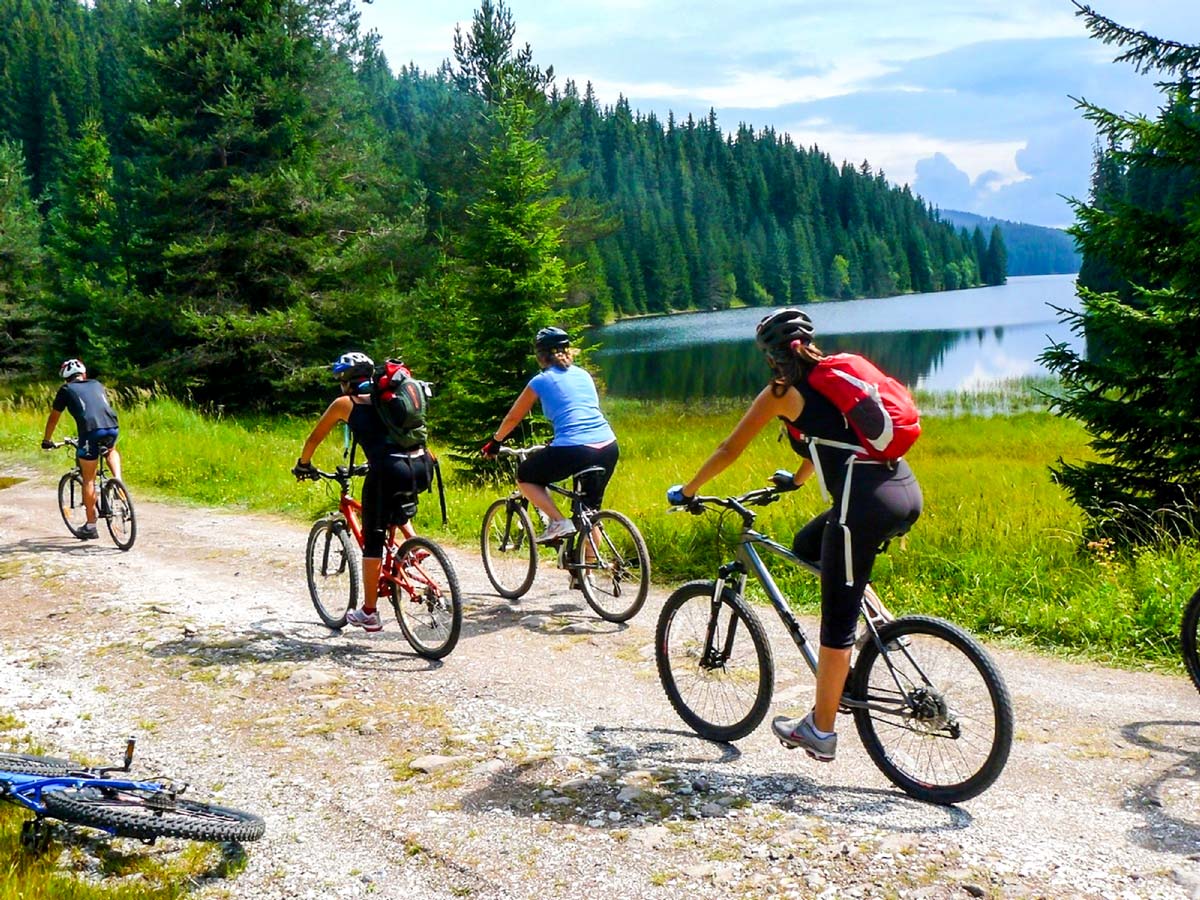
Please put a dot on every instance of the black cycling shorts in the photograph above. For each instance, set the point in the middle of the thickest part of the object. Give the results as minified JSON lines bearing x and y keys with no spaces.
{"x":555,"y":464}
{"x":389,"y":495}
{"x":884,"y":503}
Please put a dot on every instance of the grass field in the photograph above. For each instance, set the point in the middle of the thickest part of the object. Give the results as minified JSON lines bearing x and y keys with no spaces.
{"x":998,"y":549}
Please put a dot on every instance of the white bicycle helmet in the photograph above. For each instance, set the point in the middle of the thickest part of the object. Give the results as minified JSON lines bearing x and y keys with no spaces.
{"x":71,"y":368}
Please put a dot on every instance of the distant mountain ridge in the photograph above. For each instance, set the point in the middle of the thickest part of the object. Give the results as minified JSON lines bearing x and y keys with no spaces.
{"x":1032,"y":249}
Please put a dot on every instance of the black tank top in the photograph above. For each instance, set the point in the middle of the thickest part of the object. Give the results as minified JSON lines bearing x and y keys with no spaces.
{"x":368,"y":430}
{"x":821,"y":419}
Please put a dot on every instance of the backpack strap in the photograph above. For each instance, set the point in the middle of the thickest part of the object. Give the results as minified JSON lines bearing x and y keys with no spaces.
{"x":437,"y":470}
{"x":854,"y":459}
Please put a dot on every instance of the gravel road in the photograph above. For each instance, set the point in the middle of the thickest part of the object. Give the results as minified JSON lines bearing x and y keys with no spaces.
{"x":541,"y":758}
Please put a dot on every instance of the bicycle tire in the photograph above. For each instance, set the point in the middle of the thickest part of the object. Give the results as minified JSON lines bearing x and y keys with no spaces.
{"x":149,"y":814}
{"x":616,"y":584}
{"x":119,"y":514}
{"x":945,"y":725}
{"x":331,"y":566}
{"x":510,"y":560}
{"x":696,"y":678}
{"x":1189,"y":638}
{"x":30,"y":764}
{"x":431,"y":618}
{"x":70,"y":502}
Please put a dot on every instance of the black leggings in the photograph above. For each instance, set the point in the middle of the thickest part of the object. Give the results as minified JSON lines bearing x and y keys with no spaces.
{"x":391,"y":482}
{"x":554,"y":464}
{"x":884,"y":503}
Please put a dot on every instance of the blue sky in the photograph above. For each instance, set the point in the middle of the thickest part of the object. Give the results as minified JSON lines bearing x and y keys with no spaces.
{"x":968,"y":102}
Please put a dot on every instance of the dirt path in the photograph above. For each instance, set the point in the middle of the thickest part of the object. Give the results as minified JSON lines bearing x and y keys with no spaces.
{"x":559,"y":767}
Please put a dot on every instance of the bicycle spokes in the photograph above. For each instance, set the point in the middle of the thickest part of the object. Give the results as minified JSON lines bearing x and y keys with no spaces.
{"x":425,"y":596}
{"x":612,"y":565}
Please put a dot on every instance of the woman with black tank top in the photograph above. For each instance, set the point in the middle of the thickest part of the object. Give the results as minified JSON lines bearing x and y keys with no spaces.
{"x":882,"y":500}
{"x":392,"y":473}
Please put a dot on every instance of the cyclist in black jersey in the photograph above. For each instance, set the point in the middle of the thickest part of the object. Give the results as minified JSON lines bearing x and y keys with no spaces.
{"x":87,"y":402}
{"x":881,"y":501}
{"x":393,"y":477}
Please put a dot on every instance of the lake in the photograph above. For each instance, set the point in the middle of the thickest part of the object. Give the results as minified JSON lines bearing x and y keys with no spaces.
{"x":946,"y":341}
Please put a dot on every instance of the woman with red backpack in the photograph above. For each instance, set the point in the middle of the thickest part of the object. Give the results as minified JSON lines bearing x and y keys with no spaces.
{"x":872,"y":500}
{"x":392,"y":471}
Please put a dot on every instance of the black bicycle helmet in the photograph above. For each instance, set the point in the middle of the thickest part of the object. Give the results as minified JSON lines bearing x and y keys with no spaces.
{"x":777,"y":331}
{"x":552,"y":339}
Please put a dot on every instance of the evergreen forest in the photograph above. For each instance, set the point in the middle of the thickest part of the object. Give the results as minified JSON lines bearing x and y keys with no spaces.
{"x":218,"y":198}
{"x":1031,"y":249}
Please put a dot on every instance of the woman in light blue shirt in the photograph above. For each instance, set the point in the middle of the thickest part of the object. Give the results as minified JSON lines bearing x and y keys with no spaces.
{"x":582,"y":436}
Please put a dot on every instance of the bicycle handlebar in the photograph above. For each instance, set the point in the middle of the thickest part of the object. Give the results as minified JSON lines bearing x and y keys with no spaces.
{"x":521,"y":452}
{"x":737,"y":503}
{"x":339,"y":473}
{"x":65,"y":442}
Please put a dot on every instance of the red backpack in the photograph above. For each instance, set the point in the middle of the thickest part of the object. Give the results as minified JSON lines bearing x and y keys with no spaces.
{"x":877,"y":407}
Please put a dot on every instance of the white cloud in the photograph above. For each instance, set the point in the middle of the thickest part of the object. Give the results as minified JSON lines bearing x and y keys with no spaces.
{"x":899,"y":154}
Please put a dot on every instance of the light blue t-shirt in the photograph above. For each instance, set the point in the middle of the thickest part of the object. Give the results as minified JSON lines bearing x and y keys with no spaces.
{"x":570,"y":402}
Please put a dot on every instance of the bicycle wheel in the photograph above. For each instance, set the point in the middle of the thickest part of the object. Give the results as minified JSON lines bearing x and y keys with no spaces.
{"x":118,"y":513}
{"x":147,"y":814}
{"x":510,"y":556}
{"x":613,"y":567}
{"x":70,"y":502}
{"x":28,"y":764}
{"x":940,"y":724}
{"x":334,"y":577}
{"x":1190,"y":638}
{"x":714,"y":662}
{"x":426,"y":598}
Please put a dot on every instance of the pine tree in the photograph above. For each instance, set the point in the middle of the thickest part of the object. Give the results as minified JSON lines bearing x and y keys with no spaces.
{"x":996,"y":267}
{"x":87,"y":272}
{"x":1137,"y":391}
{"x":271,"y":233}
{"x":509,"y":277}
{"x":21,"y":255}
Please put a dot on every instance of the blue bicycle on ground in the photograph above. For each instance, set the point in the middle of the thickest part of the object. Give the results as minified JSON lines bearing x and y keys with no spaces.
{"x":97,"y":797}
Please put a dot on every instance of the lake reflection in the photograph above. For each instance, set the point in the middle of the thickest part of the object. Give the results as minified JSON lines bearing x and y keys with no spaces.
{"x":955,"y":340}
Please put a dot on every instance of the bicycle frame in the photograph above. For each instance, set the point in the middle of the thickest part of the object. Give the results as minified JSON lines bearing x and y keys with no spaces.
{"x":581,"y":514}
{"x":27,"y":790}
{"x":747,"y":561}
{"x":390,"y":572}
{"x":101,"y":475}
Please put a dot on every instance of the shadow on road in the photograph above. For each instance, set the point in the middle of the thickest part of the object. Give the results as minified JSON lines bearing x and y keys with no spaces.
{"x":64,"y":544}
{"x":1170,"y":800}
{"x":558,"y":615}
{"x":682,"y":776}
{"x":275,"y":641}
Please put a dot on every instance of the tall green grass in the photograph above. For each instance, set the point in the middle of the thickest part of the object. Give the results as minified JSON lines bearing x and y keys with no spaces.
{"x":998,"y":549}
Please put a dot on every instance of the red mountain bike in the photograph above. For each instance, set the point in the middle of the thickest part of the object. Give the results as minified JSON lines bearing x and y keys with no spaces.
{"x":416,"y":576}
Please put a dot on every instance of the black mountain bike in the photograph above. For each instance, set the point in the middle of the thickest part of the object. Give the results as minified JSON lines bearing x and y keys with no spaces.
{"x":113,"y":503}
{"x":929,"y":704}
{"x":1190,"y":638}
{"x":606,"y":556}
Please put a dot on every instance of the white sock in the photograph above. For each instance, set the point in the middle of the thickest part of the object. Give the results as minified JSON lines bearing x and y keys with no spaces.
{"x":817,"y":731}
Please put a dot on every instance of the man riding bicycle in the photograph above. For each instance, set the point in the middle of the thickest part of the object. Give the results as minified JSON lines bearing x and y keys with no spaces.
{"x":97,"y":425}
